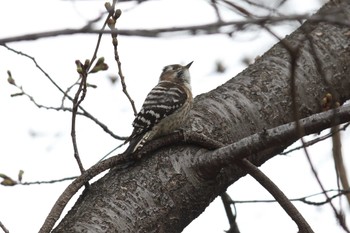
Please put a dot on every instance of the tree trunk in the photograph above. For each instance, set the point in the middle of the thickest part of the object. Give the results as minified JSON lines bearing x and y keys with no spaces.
{"x":162,"y":192}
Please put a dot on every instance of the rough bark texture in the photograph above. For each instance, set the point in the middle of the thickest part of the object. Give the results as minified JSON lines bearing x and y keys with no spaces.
{"x":162,"y":193}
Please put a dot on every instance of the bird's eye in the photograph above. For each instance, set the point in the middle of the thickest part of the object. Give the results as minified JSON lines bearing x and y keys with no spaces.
{"x":180,"y":73}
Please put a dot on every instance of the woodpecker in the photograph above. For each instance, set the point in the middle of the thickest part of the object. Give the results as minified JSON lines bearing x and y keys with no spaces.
{"x":165,"y":108}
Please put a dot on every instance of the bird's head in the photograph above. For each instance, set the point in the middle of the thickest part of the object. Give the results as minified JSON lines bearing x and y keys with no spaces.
{"x":176,"y":73}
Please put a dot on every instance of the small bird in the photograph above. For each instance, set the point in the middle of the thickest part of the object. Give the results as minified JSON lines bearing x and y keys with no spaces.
{"x":165,"y":109}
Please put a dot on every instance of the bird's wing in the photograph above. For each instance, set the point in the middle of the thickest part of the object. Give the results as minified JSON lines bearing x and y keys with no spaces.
{"x":163,"y":100}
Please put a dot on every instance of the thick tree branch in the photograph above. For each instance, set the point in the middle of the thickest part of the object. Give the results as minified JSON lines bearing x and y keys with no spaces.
{"x":215,"y":160}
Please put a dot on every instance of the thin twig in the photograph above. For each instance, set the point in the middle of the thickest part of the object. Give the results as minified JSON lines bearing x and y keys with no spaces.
{"x":262,"y":6}
{"x":303,"y":226}
{"x":302,"y":199}
{"x":37,"y":66}
{"x":76,"y":103}
{"x":68,"y":89}
{"x":316,"y":140}
{"x":339,"y":163}
{"x":81,"y":92}
{"x":65,"y":93}
{"x":227,"y":201}
{"x":235,"y":8}
{"x":4,"y":228}
{"x":203,"y":28}
{"x":216,"y":9}
{"x":115,"y":42}
{"x":49,"y":181}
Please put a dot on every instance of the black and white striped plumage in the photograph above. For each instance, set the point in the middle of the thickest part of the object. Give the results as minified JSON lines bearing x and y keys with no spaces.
{"x":165,"y":109}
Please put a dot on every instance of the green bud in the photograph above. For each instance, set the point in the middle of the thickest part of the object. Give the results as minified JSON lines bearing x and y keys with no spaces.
{"x":10,"y":80}
{"x":78,"y":63}
{"x":99,"y":67}
{"x":104,"y":66}
{"x":86,"y":63}
{"x":117,"y":13}
{"x":20,"y":175}
{"x":100,"y":61}
{"x":80,"y":70}
{"x":108,"y":7}
{"x":91,"y":85}
{"x":7,"y":181}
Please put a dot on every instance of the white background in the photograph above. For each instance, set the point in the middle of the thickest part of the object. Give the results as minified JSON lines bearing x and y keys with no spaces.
{"x":38,"y":141}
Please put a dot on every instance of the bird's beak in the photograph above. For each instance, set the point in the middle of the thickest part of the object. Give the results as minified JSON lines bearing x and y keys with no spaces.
{"x":189,"y":65}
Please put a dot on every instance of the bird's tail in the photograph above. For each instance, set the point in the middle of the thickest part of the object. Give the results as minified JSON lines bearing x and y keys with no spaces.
{"x":133,"y":144}
{"x":136,"y":143}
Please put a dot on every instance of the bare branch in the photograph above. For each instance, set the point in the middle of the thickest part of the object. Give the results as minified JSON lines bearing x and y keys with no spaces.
{"x":227,"y":201}
{"x":49,"y":181}
{"x":316,"y":140}
{"x":76,"y":102}
{"x":4,"y":228}
{"x":216,"y":9}
{"x":79,"y":97}
{"x":303,"y":199}
{"x":82,"y":111}
{"x":339,"y":162}
{"x":210,"y":28}
{"x":37,"y":66}
{"x":252,"y":170}
{"x":112,"y":22}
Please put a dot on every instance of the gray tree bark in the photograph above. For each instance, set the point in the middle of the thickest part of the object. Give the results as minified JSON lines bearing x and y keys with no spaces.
{"x":163,"y":192}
